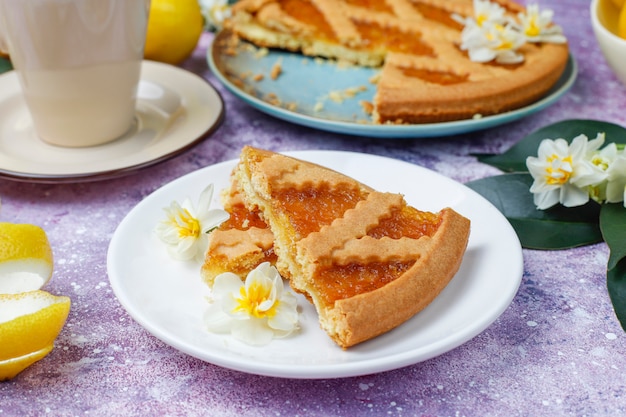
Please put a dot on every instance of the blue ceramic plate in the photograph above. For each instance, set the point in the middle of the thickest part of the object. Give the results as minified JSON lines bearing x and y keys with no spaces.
{"x":301,"y":94}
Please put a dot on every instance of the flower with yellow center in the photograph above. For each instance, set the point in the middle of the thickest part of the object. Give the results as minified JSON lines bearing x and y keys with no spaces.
{"x":214,"y":12}
{"x":490,"y":34}
{"x":564,"y":173}
{"x":254,"y":311}
{"x":537,"y":25}
{"x":612,"y":160}
{"x":486,"y":11}
{"x":603,"y":159}
{"x":492,"y":41}
{"x":185,"y":228}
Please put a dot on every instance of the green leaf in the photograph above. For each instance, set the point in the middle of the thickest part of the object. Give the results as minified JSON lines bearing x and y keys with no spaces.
{"x":555,"y":235}
{"x":557,"y":228}
{"x":616,"y":285}
{"x":5,"y":65}
{"x":613,"y":226}
{"x":514,"y":160}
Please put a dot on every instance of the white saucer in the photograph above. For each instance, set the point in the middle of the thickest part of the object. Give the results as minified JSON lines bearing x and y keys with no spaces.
{"x":159,"y":132}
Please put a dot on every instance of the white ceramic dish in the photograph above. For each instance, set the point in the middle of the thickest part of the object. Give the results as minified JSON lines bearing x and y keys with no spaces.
{"x":604,"y":21}
{"x":167,"y":297}
{"x":163,"y":129}
{"x":307,"y":81}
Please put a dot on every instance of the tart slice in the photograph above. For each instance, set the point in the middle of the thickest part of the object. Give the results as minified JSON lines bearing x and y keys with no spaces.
{"x":240,"y":244}
{"x":366,"y":259}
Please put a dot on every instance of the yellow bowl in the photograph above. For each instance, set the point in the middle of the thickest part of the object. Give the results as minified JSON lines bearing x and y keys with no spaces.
{"x":604,"y":18}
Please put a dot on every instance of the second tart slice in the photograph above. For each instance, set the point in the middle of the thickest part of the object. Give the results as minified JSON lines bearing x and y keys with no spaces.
{"x":366,"y":259}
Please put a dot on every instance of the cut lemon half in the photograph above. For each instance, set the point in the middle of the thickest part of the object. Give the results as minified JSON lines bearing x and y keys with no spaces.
{"x":25,"y":258}
{"x":29,"y":324}
{"x":11,"y":367}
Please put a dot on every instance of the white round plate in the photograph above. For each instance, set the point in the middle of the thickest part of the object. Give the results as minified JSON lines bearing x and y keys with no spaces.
{"x":168,"y":298}
{"x":154,"y":138}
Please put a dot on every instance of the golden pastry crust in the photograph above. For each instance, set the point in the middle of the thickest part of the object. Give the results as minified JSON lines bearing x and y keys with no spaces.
{"x":425,"y":77}
{"x":238,"y":245}
{"x":236,"y":251}
{"x":403,"y":268}
{"x":351,"y":320}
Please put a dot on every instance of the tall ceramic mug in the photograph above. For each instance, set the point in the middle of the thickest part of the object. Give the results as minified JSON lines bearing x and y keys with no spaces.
{"x":78,"y":63}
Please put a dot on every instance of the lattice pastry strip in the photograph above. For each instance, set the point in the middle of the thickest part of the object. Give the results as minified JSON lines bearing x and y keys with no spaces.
{"x":289,"y":174}
{"x":354,"y":224}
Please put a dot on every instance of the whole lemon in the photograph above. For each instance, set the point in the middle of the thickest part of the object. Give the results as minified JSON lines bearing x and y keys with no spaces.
{"x":621,"y":25}
{"x":174,"y":27}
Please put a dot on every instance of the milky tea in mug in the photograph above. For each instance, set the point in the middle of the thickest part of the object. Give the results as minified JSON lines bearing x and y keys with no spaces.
{"x":79,"y":63}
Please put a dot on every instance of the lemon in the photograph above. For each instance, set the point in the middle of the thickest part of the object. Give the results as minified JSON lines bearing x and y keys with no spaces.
{"x":174,"y":27}
{"x":29,"y":324}
{"x":25,"y":258}
{"x":11,"y":367}
{"x":621,"y":24}
{"x":618,"y":3}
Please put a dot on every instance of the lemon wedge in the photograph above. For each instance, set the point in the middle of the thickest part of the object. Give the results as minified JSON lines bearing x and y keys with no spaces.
{"x":174,"y":27}
{"x":29,"y":324}
{"x":25,"y":258}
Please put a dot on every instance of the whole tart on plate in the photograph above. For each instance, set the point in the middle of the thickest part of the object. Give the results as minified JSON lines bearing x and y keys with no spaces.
{"x":366,"y":259}
{"x":426,"y":77}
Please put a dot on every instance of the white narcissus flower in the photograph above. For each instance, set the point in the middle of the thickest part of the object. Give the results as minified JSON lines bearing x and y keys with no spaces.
{"x":490,"y":34}
{"x":537,"y":26}
{"x":486,"y":11}
{"x":562,"y":172}
{"x":185,"y":228}
{"x":215,"y":12}
{"x":253,"y":312}
{"x":613,"y":162}
{"x":492,"y":41}
{"x":616,"y":172}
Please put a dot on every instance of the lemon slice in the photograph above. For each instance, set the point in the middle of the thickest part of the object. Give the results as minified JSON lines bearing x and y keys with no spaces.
{"x":25,"y":258}
{"x":29,"y":324}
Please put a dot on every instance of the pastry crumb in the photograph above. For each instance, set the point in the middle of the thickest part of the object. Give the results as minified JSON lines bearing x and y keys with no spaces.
{"x":345,"y":64}
{"x":374,"y":78}
{"x":367,"y":107}
{"x":261,"y":52}
{"x":350,"y":92}
{"x":277,"y":69}
{"x":353,"y":91}
{"x":335,"y":96}
{"x":273,"y":99}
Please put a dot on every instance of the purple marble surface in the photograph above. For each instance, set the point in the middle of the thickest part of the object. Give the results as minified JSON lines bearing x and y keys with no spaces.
{"x":557,"y":350}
